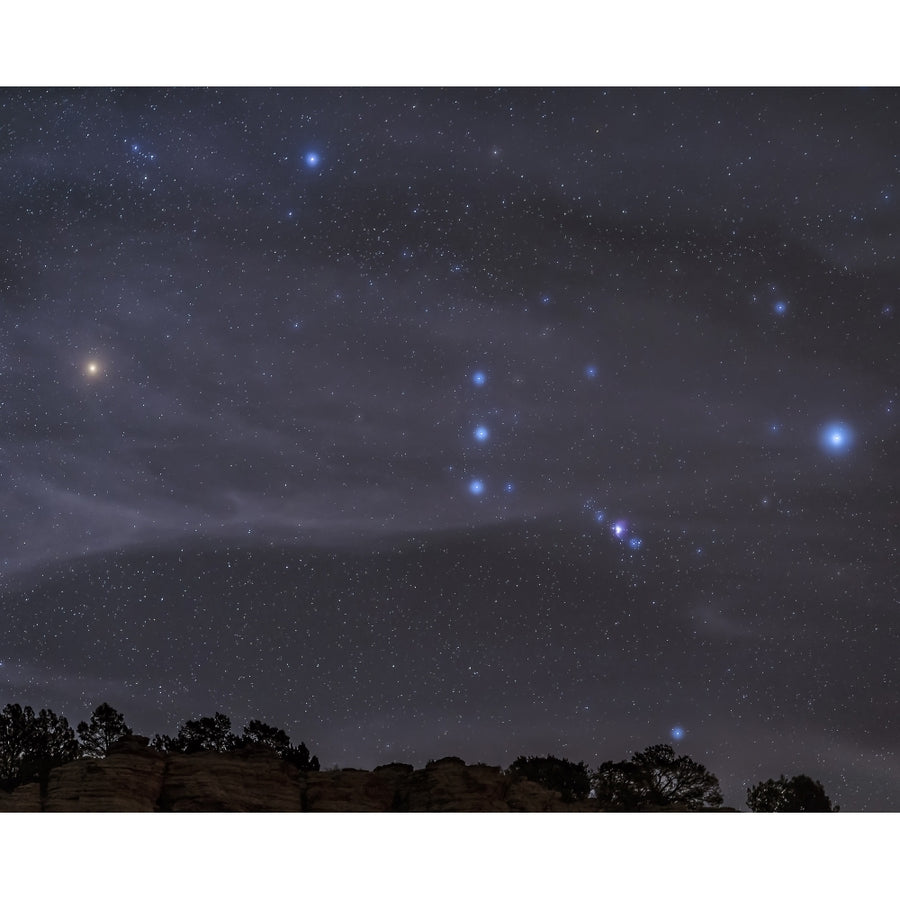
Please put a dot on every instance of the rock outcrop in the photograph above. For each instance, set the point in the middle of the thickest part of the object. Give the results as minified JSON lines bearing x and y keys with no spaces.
{"x":136,"y":778}
{"x":129,"y":780}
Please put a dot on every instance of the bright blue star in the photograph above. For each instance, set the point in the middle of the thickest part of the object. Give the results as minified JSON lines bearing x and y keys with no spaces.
{"x":312,"y":159}
{"x":481,"y":434}
{"x":590,"y":371}
{"x":677,"y":733}
{"x":780,"y":308}
{"x":476,"y":487}
{"x":509,"y":487}
{"x":619,"y":529}
{"x":836,"y":438}
{"x":635,"y":543}
{"x":479,"y":378}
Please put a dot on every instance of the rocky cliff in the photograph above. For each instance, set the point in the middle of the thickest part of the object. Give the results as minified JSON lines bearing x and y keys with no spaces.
{"x":136,"y":778}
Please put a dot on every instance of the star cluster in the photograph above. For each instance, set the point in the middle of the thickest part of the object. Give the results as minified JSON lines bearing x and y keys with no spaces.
{"x":483,"y":422}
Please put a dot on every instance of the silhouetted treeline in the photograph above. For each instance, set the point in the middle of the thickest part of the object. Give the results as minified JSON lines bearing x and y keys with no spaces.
{"x":214,"y":733}
{"x":652,"y":779}
{"x":33,"y":744}
{"x":657,"y":779}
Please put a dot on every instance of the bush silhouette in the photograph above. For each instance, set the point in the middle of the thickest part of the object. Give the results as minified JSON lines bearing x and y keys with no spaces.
{"x":656,"y":778}
{"x":570,"y":779}
{"x":797,"y":794}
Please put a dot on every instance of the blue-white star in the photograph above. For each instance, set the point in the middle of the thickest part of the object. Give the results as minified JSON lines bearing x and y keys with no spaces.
{"x":677,"y":733}
{"x":836,"y":438}
{"x":479,"y":378}
{"x":476,"y":487}
{"x":481,"y":434}
{"x":312,"y":159}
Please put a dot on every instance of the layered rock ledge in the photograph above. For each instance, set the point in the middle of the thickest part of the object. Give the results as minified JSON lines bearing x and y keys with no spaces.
{"x":136,"y":778}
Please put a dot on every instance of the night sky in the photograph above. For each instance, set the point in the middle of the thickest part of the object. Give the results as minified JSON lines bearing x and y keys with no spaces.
{"x":422,"y":422}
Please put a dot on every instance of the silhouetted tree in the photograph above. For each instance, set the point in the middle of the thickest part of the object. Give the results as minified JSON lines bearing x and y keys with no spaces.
{"x":656,"y":778}
{"x":104,"y":729}
{"x":300,"y":757}
{"x":259,"y":734}
{"x":797,"y":794}
{"x":16,"y":732}
{"x":617,"y":786}
{"x":31,"y":745}
{"x":570,"y":779}
{"x":196,"y":735}
{"x":55,"y":742}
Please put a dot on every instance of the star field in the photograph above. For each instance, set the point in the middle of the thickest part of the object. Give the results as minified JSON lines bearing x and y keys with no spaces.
{"x":474,"y":422}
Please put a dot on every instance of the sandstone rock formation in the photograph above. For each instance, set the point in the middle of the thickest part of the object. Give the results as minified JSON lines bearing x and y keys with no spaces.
{"x":136,"y":778}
